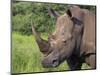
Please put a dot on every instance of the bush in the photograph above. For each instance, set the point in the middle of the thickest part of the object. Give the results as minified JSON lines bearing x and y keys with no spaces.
{"x":24,"y":12}
{"x":22,"y":24}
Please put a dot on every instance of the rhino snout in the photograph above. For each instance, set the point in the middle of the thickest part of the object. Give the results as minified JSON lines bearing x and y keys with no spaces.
{"x":50,"y":62}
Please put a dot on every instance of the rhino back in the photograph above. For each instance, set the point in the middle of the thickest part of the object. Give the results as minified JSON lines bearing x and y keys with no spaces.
{"x":88,"y":40}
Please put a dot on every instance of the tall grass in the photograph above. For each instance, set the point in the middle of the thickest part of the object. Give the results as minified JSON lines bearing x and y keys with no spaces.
{"x":26,"y":56}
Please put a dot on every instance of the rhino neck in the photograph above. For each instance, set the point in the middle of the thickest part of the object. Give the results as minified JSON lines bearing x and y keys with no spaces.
{"x":77,"y":35}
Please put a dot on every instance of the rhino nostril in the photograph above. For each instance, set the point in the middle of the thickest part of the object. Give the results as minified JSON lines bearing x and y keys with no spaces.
{"x":54,"y":63}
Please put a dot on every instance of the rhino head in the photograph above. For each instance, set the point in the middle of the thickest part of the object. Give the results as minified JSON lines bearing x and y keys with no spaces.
{"x":64,"y":40}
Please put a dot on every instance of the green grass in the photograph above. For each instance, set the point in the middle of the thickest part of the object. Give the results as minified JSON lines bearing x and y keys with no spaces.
{"x":26,"y":56}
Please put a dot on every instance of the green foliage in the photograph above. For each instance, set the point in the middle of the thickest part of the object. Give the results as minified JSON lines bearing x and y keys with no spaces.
{"x":21,"y":24}
{"x":24,"y":12}
{"x":21,"y":8}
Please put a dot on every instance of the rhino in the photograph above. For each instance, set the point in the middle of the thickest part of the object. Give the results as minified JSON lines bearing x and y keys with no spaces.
{"x":74,"y":39}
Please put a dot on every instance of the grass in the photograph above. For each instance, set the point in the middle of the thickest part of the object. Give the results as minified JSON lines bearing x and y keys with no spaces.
{"x":26,"y":56}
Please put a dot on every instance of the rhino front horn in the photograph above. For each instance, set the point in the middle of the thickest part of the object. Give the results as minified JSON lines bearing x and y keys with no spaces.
{"x":43,"y":44}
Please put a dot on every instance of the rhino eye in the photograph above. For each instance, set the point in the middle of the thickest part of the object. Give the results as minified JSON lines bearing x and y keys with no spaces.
{"x":52,"y":37}
{"x":64,"y":41}
{"x":63,"y":33}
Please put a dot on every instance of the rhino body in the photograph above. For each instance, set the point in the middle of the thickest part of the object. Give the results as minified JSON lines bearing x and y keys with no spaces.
{"x":73,"y":39}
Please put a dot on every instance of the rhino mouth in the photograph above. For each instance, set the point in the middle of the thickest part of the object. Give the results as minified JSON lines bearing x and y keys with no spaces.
{"x":52,"y":65}
{"x":53,"y":62}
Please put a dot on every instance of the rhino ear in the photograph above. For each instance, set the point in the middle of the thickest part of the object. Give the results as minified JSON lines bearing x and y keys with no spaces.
{"x":53,"y":13}
{"x":69,"y":13}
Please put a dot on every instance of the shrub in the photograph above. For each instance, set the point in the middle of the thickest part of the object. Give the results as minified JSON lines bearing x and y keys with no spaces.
{"x":24,"y":12}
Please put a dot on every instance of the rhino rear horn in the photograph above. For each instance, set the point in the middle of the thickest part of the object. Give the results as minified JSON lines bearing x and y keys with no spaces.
{"x":53,"y":12}
{"x":43,"y":44}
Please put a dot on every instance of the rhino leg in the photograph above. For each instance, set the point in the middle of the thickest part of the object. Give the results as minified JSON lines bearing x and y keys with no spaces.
{"x":74,"y":62}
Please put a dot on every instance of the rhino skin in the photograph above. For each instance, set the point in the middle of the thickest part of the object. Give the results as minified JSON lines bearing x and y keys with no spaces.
{"x":73,"y":40}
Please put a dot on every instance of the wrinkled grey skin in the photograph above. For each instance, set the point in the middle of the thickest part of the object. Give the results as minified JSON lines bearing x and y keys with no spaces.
{"x":68,"y":41}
